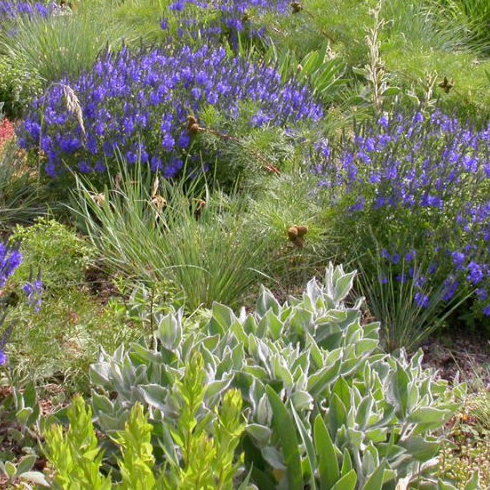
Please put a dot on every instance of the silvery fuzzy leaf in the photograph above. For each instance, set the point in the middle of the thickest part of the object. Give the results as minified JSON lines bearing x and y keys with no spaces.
{"x":263,"y":413}
{"x":314,"y":290}
{"x":363,"y":412}
{"x":302,"y":400}
{"x":265,"y":302}
{"x":318,"y":381}
{"x":343,"y":286}
{"x":169,"y":331}
{"x":271,"y":325}
{"x":260,"y":433}
{"x":281,"y":371}
{"x":302,"y":321}
{"x":365,"y":346}
{"x":101,"y":403}
{"x":274,"y":458}
{"x":154,"y":395}
{"x":141,"y":354}
{"x":420,"y":448}
{"x":217,"y":387}
{"x":221,"y":320}
{"x":35,"y":477}
{"x":99,"y":373}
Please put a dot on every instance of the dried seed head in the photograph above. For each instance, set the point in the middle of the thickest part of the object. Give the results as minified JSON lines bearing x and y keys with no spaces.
{"x":191,"y":120}
{"x":200,"y":205}
{"x":158,"y":202}
{"x":98,"y":199}
{"x":154,"y":189}
{"x":118,"y":180}
{"x":447,"y":85}
{"x":194,"y":128}
{"x":74,"y":107}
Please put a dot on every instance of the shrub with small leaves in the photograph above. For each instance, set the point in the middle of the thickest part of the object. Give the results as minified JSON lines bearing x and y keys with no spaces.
{"x":58,"y":251}
{"x":19,"y":85}
{"x":324,"y":406}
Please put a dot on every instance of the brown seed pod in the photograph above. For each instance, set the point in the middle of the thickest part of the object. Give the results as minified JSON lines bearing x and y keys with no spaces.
{"x":297,"y":7}
{"x":447,"y":85}
{"x":292,"y":232}
{"x":299,"y":242}
{"x":200,"y":205}
{"x":194,"y":129}
{"x":190,"y":121}
{"x":302,"y":230}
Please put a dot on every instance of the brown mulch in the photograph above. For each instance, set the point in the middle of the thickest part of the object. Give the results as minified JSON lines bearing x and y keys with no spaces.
{"x":460,"y":356}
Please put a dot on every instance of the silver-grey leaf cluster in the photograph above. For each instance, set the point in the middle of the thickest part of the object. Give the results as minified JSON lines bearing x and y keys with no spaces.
{"x":325,"y":406}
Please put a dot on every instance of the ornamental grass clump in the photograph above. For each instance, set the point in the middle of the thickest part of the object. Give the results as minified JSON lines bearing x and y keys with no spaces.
{"x":410,"y":198}
{"x":147,"y":106}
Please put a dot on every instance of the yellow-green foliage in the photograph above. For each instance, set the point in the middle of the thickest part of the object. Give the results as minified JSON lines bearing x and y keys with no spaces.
{"x":208,"y":460}
{"x":206,"y":444}
{"x":471,"y":90}
{"x":75,"y":455}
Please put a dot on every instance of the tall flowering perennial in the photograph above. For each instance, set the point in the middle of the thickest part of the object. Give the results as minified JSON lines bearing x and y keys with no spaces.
{"x":10,"y":11}
{"x":139,"y":104}
{"x":226,"y":16}
{"x":419,"y":187}
{"x":10,"y":259}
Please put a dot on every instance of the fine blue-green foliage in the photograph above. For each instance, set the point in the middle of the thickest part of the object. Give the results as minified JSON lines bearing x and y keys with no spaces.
{"x":147,"y":105}
{"x":412,"y":193}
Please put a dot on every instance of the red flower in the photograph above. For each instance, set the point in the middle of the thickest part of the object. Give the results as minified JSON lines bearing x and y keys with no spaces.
{"x":7,"y":131}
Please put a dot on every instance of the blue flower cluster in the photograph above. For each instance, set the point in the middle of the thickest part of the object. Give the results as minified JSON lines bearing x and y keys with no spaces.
{"x":425,"y":179}
{"x":10,"y":259}
{"x":34,"y":290}
{"x":10,"y":11}
{"x":233,"y":16}
{"x":139,"y":103}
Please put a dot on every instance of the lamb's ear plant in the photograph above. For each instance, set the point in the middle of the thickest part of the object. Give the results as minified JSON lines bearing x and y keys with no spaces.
{"x":316,"y":389}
